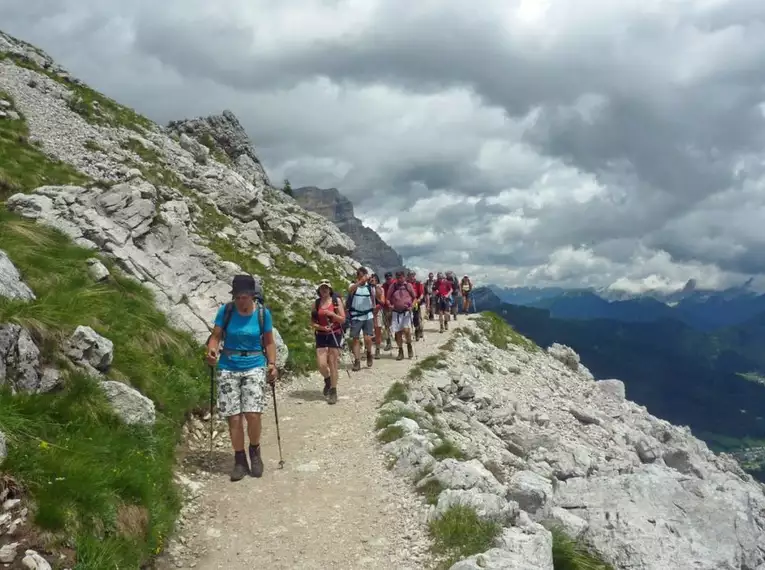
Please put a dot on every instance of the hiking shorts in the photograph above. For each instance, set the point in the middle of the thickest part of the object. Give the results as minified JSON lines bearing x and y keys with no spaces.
{"x":401,"y":321}
{"x":329,"y":340}
{"x":367,"y":326}
{"x":444,"y":303}
{"x":241,"y":391}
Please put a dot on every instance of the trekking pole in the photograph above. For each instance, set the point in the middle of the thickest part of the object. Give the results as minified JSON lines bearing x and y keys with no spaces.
{"x":278,"y":435}
{"x":340,"y":348}
{"x":212,"y":400}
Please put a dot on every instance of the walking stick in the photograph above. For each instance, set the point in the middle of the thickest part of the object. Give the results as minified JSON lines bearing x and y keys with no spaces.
{"x":278,"y":435}
{"x":212,"y":401}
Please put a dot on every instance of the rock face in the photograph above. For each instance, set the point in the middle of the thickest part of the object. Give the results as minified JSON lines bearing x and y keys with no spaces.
{"x":177,"y":209}
{"x":370,"y":249}
{"x":545,"y":444}
{"x":89,"y":350}
{"x":11,"y":285}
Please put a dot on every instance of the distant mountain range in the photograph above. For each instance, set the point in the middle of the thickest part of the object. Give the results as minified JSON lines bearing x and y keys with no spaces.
{"x":707,"y":373}
{"x":701,"y":309}
{"x":371,"y":250}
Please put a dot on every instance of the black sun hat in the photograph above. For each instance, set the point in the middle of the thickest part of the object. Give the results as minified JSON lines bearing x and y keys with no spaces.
{"x":245,"y":285}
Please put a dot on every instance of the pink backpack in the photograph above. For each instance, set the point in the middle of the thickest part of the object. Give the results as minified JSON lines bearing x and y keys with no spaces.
{"x":402,"y":296}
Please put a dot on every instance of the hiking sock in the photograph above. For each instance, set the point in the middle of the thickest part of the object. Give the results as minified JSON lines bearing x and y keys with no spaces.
{"x":240,"y":466}
{"x":327,"y":385}
{"x":255,"y":461}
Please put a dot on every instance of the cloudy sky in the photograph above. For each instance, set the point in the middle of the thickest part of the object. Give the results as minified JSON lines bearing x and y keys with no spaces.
{"x":577,"y":142}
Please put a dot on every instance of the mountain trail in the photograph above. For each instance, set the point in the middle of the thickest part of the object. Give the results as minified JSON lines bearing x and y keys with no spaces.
{"x":334,"y":504}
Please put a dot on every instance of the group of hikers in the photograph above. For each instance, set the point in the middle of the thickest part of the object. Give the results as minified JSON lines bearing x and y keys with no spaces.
{"x":242,"y":347}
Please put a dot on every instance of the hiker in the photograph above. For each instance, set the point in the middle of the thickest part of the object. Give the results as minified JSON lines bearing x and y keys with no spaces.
{"x":387,"y":313}
{"x":444,"y":291}
{"x":466,"y":286}
{"x":419,"y":291}
{"x":246,"y":330}
{"x":430,"y":286}
{"x":327,"y":320}
{"x":400,"y":297}
{"x":455,"y":293}
{"x":379,"y":313}
{"x":361,"y":305}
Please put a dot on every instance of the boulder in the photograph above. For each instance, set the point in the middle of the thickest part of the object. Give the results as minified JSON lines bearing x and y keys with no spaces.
{"x":11,"y":285}
{"x":89,"y":350}
{"x":486,"y":505}
{"x":97,"y":270}
{"x":21,"y":366}
{"x":128,"y":403}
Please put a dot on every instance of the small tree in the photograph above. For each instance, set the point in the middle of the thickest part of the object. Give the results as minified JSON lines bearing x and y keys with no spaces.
{"x":287,"y":188}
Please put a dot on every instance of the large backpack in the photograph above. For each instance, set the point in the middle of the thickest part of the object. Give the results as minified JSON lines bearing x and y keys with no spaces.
{"x":395,"y":293}
{"x":349,"y":301}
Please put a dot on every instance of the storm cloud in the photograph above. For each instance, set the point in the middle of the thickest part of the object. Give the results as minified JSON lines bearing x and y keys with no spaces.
{"x":548,"y":141}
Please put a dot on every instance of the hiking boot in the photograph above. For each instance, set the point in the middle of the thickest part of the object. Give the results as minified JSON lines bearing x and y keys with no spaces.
{"x":369,"y":359}
{"x":409,"y":349}
{"x":356,"y":365}
{"x":377,"y":353}
{"x":240,"y":466}
{"x":327,"y":385}
{"x":256,"y":462}
{"x":441,"y":329}
{"x":446,"y":325}
{"x":388,"y":345}
{"x":400,"y":354}
{"x":332,"y":396}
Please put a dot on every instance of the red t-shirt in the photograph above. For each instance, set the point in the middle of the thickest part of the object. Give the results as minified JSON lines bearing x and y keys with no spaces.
{"x":444,"y":287}
{"x":419,"y":289}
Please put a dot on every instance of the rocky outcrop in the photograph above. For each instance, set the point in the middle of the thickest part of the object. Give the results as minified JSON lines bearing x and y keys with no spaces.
{"x":166,"y":207}
{"x":544,"y":445}
{"x":370,"y":248}
{"x":128,"y":403}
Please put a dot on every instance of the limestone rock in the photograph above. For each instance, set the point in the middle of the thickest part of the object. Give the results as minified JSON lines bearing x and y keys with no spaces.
{"x":11,"y":285}
{"x":128,"y":403}
{"x":88,"y":349}
{"x":33,"y":561}
{"x":3,"y":448}
{"x":20,"y":362}
{"x":486,"y":505}
{"x":97,"y":270}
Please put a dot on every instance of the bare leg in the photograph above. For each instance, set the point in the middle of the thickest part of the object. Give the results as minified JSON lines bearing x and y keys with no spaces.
{"x":321,"y":361}
{"x":236,"y":431}
{"x":333,"y":356}
{"x":254,"y":426}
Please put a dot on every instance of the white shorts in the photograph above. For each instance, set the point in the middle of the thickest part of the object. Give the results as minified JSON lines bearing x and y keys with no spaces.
{"x":241,"y":392}
{"x":401,"y":321}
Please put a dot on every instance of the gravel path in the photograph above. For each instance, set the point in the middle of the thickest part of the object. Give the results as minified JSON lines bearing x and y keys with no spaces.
{"x":334,"y":504}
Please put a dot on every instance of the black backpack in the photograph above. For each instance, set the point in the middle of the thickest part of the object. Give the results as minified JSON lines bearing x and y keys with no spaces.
{"x":336,"y":303}
{"x":260,"y":307}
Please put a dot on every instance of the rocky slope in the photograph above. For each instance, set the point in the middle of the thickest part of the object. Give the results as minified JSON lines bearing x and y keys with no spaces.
{"x":370,"y":249}
{"x":529,"y":441}
{"x":118,"y":241}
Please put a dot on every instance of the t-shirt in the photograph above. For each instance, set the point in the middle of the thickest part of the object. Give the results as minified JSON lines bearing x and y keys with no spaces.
{"x":243,"y":333}
{"x":337,"y":328}
{"x":363,"y":303}
{"x":444,"y":287}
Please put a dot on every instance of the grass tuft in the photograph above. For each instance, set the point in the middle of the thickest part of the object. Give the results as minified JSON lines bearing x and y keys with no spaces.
{"x":397,"y":392}
{"x":391,"y":433}
{"x":390,"y":417}
{"x":432,"y":362}
{"x":460,"y":533}
{"x":570,"y":554}
{"x":501,"y":334}
{"x":96,"y":484}
{"x":447,"y":449}
{"x":431,"y":490}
